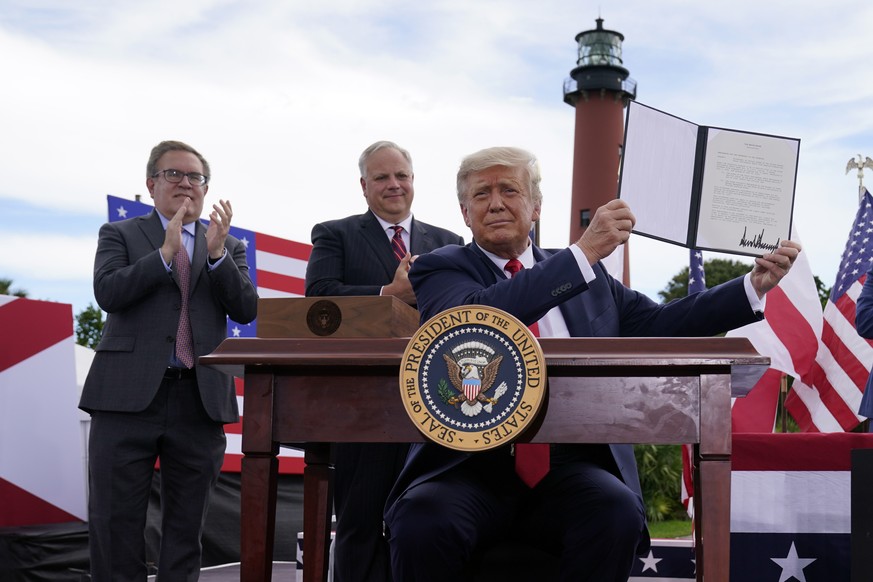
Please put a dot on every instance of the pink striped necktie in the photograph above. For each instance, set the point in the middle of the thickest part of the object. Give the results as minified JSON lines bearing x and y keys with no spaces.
{"x":531,"y":460}
{"x":397,"y":244}
{"x":184,"y":339}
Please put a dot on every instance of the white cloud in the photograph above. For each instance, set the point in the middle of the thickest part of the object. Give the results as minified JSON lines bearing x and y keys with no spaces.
{"x":41,"y":256}
{"x":281,"y":97}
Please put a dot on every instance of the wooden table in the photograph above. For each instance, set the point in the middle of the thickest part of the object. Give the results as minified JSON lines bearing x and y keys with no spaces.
{"x":312,"y":392}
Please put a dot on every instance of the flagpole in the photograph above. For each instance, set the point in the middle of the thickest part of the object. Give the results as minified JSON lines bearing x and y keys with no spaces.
{"x":859,"y":164}
{"x":783,"y":393}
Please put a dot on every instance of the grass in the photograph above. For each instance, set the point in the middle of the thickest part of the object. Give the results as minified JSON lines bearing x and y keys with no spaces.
{"x":671,"y":528}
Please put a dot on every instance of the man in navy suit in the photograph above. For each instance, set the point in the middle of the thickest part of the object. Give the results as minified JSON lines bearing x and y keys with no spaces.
{"x":148,"y":397}
{"x":361,"y":255}
{"x":587,"y":509}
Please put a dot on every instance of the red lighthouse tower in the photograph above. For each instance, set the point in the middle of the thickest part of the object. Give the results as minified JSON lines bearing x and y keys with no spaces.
{"x":599,"y":88}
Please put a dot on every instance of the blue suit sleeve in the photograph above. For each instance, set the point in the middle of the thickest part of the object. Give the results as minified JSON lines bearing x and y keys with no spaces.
{"x":864,"y":309}
{"x":455,"y":276}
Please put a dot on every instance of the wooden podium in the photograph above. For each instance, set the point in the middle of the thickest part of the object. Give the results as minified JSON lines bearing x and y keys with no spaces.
{"x":371,"y":316}
{"x":314,"y":391}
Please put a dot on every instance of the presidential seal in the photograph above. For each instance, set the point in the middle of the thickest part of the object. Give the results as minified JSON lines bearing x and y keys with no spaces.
{"x":324,"y":317}
{"x":473,"y":378}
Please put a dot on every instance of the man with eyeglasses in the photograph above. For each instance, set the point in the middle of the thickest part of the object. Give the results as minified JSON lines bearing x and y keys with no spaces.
{"x":168,"y":284}
{"x":370,"y":254}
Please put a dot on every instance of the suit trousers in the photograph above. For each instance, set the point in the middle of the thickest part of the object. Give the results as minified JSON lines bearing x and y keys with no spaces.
{"x":580,"y":512}
{"x":123,"y":448}
{"x":363,"y":477}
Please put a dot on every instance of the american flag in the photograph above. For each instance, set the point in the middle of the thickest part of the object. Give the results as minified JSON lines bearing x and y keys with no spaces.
{"x":789,"y":336}
{"x":827,"y":396}
{"x":696,"y":274}
{"x":277,"y":267}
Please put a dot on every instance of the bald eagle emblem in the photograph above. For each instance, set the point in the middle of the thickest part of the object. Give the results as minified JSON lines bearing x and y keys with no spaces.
{"x":472,"y":368}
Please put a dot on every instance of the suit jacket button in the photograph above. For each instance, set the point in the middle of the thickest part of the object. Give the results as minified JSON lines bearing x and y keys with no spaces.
{"x":170,"y":339}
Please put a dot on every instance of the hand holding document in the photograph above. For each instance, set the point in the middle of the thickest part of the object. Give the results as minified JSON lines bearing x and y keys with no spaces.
{"x":705,"y":187}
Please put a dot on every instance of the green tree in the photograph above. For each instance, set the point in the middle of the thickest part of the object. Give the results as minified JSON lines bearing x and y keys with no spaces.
{"x":823,"y":292}
{"x":716,"y":271}
{"x":89,"y":326}
{"x":660,"y":468}
{"x":6,"y":289}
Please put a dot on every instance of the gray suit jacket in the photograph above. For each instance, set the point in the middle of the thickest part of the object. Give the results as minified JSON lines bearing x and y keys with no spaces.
{"x":143,"y":301}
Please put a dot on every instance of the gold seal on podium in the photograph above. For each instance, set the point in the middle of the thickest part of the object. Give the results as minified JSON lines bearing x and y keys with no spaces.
{"x":473,"y":378}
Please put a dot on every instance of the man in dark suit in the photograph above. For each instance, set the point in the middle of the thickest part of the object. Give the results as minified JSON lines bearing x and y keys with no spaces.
{"x":587,"y":509}
{"x":147,"y":396}
{"x":361,"y":255}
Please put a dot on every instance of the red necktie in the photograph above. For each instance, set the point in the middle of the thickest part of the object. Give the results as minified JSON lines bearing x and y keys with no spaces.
{"x":397,"y":243}
{"x":184,"y":340}
{"x":531,"y":460}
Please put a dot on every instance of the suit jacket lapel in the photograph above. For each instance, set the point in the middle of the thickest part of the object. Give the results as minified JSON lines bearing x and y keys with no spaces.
{"x":151,"y":227}
{"x":419,"y":238}
{"x":372,"y":232}
{"x":154,"y":231}
{"x":496,"y":274}
{"x":573,"y":310}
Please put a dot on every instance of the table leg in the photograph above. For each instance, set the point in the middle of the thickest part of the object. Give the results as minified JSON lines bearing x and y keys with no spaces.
{"x":258,"y":483}
{"x":317,"y":505}
{"x":712,"y":496}
{"x":258,"y":480}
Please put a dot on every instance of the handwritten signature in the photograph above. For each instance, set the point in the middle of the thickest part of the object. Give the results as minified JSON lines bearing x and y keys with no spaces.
{"x":757,"y":241}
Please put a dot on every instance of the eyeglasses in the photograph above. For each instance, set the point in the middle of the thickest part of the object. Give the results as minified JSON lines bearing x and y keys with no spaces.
{"x":175,"y":176}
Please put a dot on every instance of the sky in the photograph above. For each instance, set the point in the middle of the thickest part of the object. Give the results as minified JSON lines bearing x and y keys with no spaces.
{"x":282,"y":96}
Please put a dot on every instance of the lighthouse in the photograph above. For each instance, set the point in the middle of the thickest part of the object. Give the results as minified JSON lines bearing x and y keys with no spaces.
{"x":599,"y":88}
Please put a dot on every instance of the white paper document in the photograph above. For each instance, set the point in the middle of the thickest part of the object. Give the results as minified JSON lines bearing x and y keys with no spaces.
{"x":705,"y":187}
